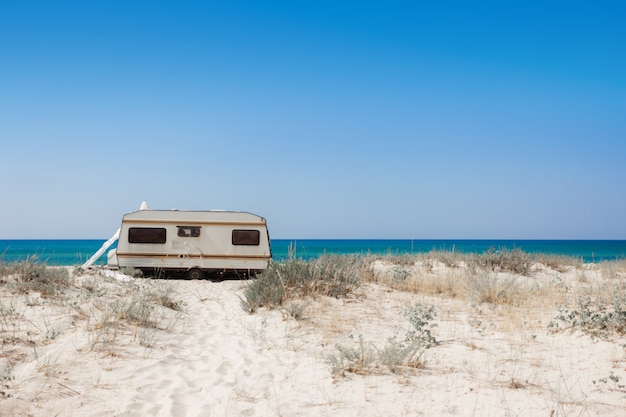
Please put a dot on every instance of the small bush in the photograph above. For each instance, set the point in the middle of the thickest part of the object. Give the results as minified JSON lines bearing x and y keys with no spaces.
{"x":337,"y":276}
{"x":140,"y":307}
{"x":594,"y":317}
{"x":399,"y":274}
{"x":489,"y":288}
{"x":296,"y":310}
{"x":419,"y":317}
{"x":397,"y":355}
{"x":515,"y":261}
{"x":267,"y":290}
{"x":331,"y":275}
{"x":365,"y":358}
{"x":359,"y":360}
{"x":34,"y":276}
{"x":137,"y":311}
{"x":163,"y":295}
{"x":131,"y":271}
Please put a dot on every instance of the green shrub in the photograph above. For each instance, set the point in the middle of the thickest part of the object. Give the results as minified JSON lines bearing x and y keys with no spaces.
{"x":330,"y":275}
{"x":399,"y":274}
{"x":419,"y":317}
{"x":594,"y":317}
{"x":267,"y":290}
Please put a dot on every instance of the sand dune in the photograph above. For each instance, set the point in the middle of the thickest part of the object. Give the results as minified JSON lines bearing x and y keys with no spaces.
{"x":207,"y":357}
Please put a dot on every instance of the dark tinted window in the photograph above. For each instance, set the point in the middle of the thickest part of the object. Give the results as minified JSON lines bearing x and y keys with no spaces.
{"x":246,"y":237}
{"x":146,"y":235}
{"x":188,"y":231}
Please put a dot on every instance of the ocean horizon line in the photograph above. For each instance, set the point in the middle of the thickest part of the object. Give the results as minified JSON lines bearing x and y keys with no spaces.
{"x":77,"y":251}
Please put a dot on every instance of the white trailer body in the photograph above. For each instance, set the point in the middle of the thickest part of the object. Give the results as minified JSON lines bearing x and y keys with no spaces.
{"x":197,"y":242}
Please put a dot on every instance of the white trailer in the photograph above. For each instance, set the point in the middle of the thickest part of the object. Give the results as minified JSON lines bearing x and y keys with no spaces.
{"x":198,"y":243}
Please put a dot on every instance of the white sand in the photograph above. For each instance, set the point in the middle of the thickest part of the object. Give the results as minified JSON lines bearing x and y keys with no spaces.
{"x":213,"y":359}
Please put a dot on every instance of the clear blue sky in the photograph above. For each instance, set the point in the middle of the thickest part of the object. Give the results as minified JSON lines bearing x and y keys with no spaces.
{"x":332,"y":119}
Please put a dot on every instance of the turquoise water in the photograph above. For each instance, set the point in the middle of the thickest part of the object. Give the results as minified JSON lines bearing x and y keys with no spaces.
{"x":75,"y":252}
{"x":588,"y":250}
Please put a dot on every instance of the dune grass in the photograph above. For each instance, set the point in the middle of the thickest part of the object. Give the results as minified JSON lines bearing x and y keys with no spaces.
{"x":343,"y":310}
{"x":592,"y":301}
{"x":516,"y":290}
{"x":32,"y":275}
{"x":107,"y":309}
{"x":510,"y":278}
{"x":329,"y":275}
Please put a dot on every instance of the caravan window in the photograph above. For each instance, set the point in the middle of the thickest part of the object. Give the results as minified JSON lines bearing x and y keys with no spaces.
{"x":188,"y":231}
{"x":246,"y":237}
{"x":146,"y":235}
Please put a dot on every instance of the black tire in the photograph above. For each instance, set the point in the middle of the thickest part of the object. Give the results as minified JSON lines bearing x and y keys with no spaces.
{"x":195,"y":273}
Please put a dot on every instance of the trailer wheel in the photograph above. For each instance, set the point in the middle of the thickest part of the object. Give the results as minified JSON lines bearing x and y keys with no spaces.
{"x":195,"y":273}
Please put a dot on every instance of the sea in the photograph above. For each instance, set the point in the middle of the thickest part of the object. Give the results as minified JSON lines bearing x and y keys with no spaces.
{"x":76,"y":252}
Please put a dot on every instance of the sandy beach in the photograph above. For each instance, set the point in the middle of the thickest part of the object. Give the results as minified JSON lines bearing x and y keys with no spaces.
{"x":109,"y":344}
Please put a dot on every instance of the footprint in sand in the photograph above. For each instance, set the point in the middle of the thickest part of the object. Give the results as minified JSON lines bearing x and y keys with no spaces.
{"x":223,"y":368}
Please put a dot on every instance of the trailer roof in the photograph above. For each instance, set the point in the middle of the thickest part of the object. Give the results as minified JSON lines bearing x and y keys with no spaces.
{"x":193,"y":216}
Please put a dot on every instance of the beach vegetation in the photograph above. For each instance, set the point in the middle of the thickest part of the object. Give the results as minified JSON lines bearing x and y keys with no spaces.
{"x":613,"y":269}
{"x":330,"y":275}
{"x":400,"y":274}
{"x":6,"y":382}
{"x":397,"y":354}
{"x":451,"y":259}
{"x":405,"y":259}
{"x":515,"y":261}
{"x":32,"y":275}
{"x":131,"y":271}
{"x":449,"y":317}
{"x":296,"y":310}
{"x":488,"y":287}
{"x":420,"y":317}
{"x":364,"y":358}
{"x":559,"y":263}
{"x":615,"y":382}
{"x":143,"y":305}
{"x":360,"y":359}
{"x":593,"y":316}
{"x":109,"y":308}
{"x":164,"y":294}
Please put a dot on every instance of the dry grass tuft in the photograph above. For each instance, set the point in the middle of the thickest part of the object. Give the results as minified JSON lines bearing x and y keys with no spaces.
{"x":492,"y":288}
{"x":106,"y":308}
{"x":331,"y":275}
{"x":397,"y":355}
{"x":32,"y":275}
{"x":560,"y":263}
{"x":515,"y":261}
